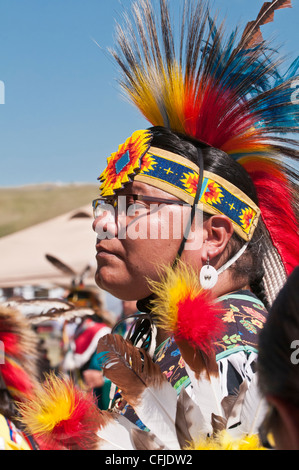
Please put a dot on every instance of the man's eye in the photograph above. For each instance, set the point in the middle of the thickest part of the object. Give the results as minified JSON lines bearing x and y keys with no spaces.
{"x":134,"y":207}
{"x":130,"y":201}
{"x":137,"y":204}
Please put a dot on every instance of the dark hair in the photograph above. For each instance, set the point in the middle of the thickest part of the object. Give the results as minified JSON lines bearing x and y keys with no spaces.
{"x":7,"y":405}
{"x":250,"y":265}
{"x":279,"y":345}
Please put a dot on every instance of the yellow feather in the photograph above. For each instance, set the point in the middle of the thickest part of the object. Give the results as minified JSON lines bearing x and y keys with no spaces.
{"x":169,"y":87}
{"x":224,"y":441}
{"x":174,"y":94}
{"x":53,"y":403}
{"x":143,"y":98}
{"x":174,"y":286}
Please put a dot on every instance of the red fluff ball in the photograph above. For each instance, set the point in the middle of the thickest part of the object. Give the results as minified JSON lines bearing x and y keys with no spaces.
{"x":79,"y":431}
{"x":199,"y":321}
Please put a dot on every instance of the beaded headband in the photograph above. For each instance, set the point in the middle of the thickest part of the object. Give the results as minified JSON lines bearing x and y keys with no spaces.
{"x":137,"y":160}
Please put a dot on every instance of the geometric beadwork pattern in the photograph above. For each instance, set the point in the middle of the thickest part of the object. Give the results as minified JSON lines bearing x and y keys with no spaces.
{"x":125,"y":163}
{"x":177,"y":175}
{"x":213,"y":195}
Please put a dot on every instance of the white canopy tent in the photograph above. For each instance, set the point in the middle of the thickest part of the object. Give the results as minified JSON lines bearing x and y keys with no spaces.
{"x":69,"y":238}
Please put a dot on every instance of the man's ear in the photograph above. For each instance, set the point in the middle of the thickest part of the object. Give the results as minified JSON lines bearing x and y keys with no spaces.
{"x":218,"y":231}
{"x":287,"y":434}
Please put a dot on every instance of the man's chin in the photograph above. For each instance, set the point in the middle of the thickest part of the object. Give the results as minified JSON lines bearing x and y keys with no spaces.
{"x":105,"y":283}
{"x":118,"y":291}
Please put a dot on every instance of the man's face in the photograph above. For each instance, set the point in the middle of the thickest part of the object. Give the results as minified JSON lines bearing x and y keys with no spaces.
{"x":142,"y":238}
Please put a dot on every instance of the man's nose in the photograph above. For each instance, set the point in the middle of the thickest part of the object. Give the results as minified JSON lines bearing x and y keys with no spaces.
{"x":105,"y":225}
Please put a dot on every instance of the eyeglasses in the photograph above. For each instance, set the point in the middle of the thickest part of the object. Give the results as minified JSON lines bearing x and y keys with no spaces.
{"x":102,"y":205}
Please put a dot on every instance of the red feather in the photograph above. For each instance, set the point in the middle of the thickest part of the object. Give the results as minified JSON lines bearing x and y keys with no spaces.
{"x":216,"y":115}
{"x":11,"y":342}
{"x":278,"y":215}
{"x":17,"y":380}
{"x":75,"y":429}
{"x":199,"y":321}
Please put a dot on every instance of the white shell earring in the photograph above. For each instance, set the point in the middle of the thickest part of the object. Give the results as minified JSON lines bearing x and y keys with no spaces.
{"x":208,"y":276}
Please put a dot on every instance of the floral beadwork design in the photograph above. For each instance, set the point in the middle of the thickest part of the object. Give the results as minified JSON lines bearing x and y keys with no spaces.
{"x":244,"y":317}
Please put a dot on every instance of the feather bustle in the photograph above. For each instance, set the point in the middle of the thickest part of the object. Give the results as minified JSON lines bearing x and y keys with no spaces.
{"x":19,"y":366}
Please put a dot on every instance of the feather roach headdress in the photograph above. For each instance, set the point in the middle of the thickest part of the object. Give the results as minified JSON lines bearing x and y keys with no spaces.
{"x":227,"y":92}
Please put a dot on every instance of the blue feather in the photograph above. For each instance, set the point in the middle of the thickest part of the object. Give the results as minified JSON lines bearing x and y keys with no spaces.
{"x":272,"y":97}
{"x":235,"y":68}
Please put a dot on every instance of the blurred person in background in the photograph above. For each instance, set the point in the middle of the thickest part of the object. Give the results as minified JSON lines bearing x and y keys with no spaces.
{"x":19,"y":376}
{"x":80,"y":359}
{"x":278,"y":367}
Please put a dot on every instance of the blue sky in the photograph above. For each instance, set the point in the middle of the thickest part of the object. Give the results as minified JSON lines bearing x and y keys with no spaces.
{"x":63,"y":112}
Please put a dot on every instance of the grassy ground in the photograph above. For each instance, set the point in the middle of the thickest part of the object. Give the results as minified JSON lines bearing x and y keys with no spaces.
{"x":23,"y":207}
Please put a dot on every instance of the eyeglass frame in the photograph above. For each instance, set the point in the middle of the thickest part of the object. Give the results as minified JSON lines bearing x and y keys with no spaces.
{"x":136,"y":197}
